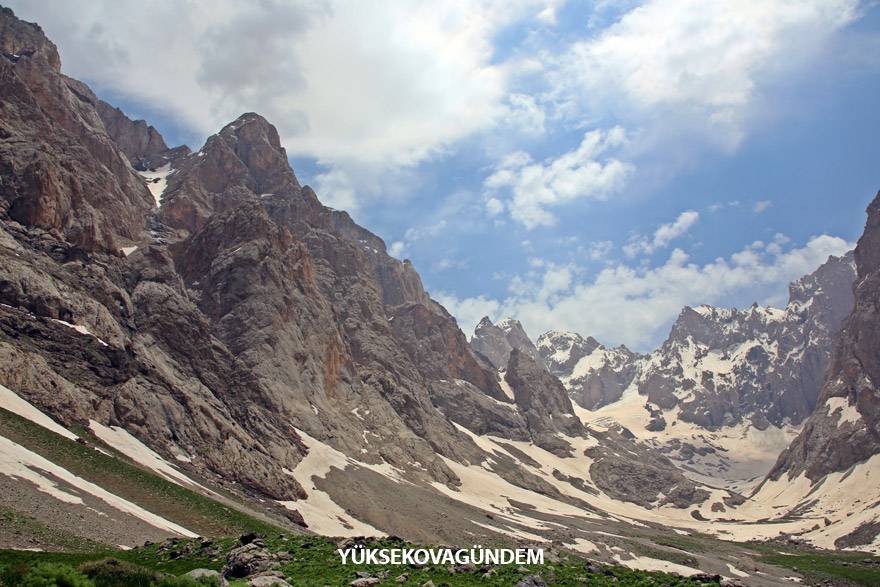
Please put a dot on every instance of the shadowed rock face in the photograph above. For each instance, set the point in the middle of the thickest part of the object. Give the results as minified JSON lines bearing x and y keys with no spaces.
{"x":543,"y":401}
{"x":845,"y":428}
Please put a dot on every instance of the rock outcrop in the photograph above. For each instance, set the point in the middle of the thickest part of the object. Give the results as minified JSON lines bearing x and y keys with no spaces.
{"x":141,"y":142}
{"x":543,"y":401}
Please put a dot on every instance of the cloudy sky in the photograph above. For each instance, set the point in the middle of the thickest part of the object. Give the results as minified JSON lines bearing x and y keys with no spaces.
{"x":590,"y":166}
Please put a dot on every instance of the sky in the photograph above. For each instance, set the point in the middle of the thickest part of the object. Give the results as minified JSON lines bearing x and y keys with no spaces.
{"x":584,"y":166}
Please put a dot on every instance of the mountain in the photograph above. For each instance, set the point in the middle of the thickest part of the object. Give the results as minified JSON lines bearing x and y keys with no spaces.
{"x":201,"y":318}
{"x":594,"y":375}
{"x":719,"y":367}
{"x":495,"y":342}
{"x":727,"y":390}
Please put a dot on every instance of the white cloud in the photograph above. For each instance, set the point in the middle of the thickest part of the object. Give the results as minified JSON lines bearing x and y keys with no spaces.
{"x":664,"y":235}
{"x":536,"y":186}
{"x":397,"y":249}
{"x":385,"y":83}
{"x":494,"y":207}
{"x":524,"y":114}
{"x":636,"y":305}
{"x":548,"y":14}
{"x":599,"y":250}
{"x":695,"y":62}
{"x":336,"y":189}
{"x":761,"y":206}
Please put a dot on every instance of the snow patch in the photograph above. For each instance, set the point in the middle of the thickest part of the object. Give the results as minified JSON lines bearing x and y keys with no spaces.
{"x":79,"y":328}
{"x":11,"y":401}
{"x":157,"y":181}
{"x":846,"y":413}
{"x":121,"y":440}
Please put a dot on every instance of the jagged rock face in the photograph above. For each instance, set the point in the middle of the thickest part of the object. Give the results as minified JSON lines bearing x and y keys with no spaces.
{"x":141,"y":143}
{"x":763,"y":364}
{"x":60,"y":170}
{"x":721,"y":366}
{"x":495,"y":342}
{"x":543,"y":401}
{"x":593,"y":374}
{"x":844,"y":430}
{"x":259,"y":313}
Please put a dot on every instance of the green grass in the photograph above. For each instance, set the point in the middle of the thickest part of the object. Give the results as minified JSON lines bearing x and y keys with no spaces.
{"x":680,"y":543}
{"x":841,"y":568}
{"x":314,"y":562}
{"x":196,"y":512}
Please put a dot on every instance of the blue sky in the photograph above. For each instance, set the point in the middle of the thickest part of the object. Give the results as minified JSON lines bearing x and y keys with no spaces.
{"x":590,"y":166}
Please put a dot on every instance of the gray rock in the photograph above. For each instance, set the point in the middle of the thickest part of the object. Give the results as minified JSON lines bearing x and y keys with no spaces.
{"x":207,"y":574}
{"x":267,"y":581}
{"x":248,"y":559}
{"x":532,"y":581}
{"x":495,"y":342}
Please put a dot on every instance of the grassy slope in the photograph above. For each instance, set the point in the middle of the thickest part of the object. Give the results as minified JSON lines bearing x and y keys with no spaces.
{"x":191,"y":510}
{"x":844,"y":568}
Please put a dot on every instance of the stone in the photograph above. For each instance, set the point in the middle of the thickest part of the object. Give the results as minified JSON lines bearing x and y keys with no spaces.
{"x":198,"y":574}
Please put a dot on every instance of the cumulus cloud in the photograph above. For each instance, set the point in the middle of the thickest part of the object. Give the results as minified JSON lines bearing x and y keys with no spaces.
{"x":599,"y":250}
{"x":636,"y":305}
{"x":584,"y":172}
{"x":663,"y":236}
{"x":702,"y":62}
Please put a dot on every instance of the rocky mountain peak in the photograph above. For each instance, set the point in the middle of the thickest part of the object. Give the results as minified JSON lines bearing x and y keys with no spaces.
{"x":141,"y":142}
{"x":593,"y":374}
{"x":495,"y":342}
{"x":244,"y":160}
{"x":562,"y":350}
{"x":25,"y":40}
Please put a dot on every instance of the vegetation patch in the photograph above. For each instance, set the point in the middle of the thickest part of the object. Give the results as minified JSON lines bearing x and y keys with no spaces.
{"x":840,"y":568}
